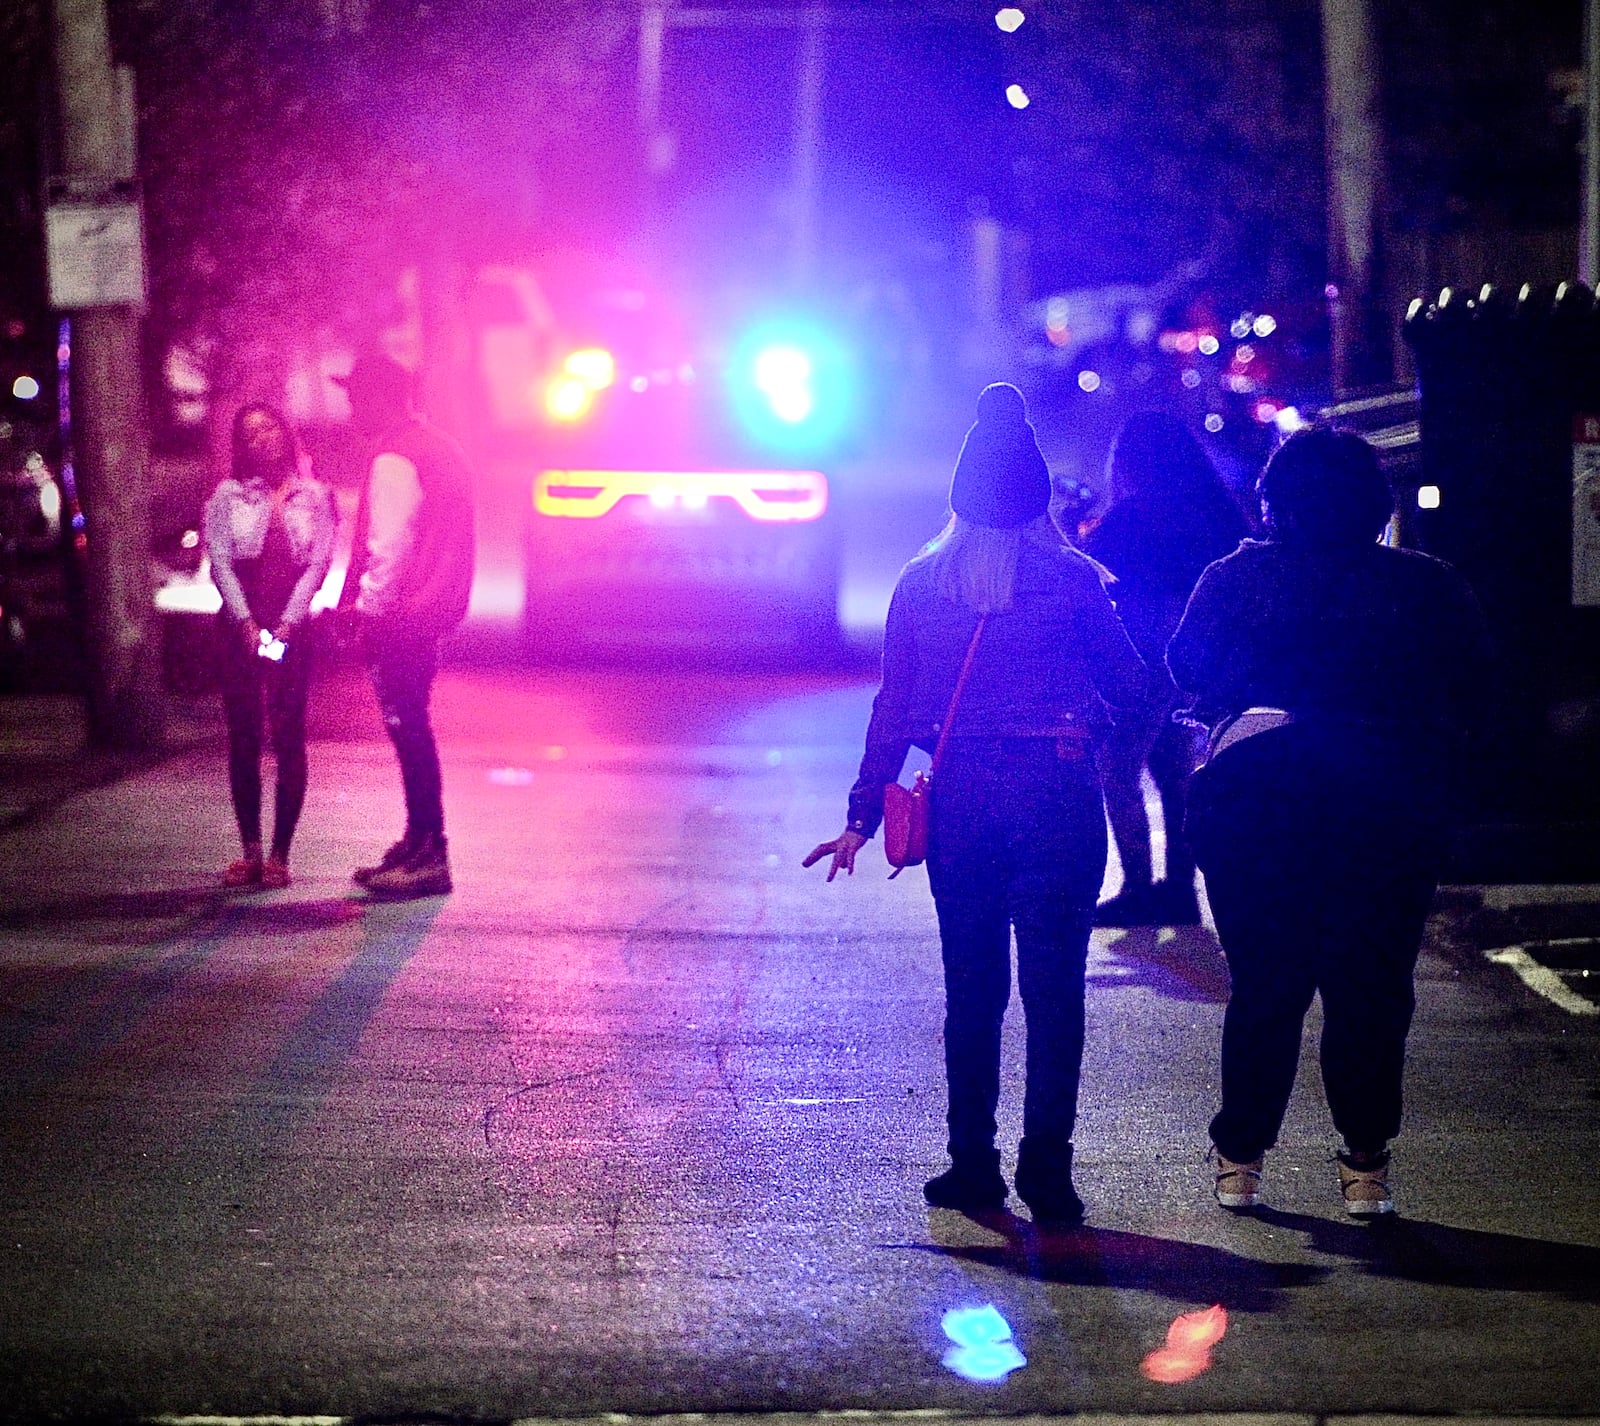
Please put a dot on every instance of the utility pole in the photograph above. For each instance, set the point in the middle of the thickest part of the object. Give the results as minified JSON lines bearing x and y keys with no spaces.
{"x":1589,"y":237}
{"x":807,"y":143}
{"x":125,"y":700}
{"x":1363,"y":344}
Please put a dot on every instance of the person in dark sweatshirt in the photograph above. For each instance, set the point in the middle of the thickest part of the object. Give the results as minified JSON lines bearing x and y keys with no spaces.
{"x":1017,"y":837}
{"x":1339,"y":675}
{"x":1170,"y":516}
{"x":268,"y":531}
{"x":409,"y":583}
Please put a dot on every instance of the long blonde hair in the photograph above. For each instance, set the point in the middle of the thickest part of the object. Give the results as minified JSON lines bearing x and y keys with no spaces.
{"x":976,"y":565}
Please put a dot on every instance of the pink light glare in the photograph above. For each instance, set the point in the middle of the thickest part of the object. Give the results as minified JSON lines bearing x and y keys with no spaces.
{"x":1187,"y":1351}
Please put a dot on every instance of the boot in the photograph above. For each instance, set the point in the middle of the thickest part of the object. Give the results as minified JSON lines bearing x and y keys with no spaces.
{"x":424,"y":872}
{"x":972,"y":1184}
{"x":1132,"y":906}
{"x":1044,"y":1183}
{"x":1175,"y":903}
{"x":362,"y":875}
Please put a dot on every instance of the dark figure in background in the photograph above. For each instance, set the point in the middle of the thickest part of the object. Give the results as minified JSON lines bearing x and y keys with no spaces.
{"x":409,"y":582}
{"x":269,"y":529}
{"x":1321,"y":828}
{"x":1018,"y":827}
{"x":1170,"y":517}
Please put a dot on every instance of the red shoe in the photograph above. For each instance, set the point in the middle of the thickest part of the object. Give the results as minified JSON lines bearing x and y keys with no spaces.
{"x":274,"y":874}
{"x":247,"y":871}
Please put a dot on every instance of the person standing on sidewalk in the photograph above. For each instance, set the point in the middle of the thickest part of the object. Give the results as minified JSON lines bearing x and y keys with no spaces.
{"x":1170,"y":517}
{"x":1339,"y":674}
{"x":269,"y":529}
{"x":409,"y":582}
{"x":1017,"y":836}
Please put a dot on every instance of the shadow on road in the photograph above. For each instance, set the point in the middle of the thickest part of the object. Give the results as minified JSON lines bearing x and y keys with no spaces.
{"x":171,"y":903}
{"x":1177,"y":962}
{"x":187,"y":905}
{"x":54,"y":1023}
{"x":288,"y":1093}
{"x":1414,"y":1251}
{"x":1109,"y":1257}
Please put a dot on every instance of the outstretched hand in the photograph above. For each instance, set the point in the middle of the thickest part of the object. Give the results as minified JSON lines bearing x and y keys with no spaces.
{"x":842,"y":849}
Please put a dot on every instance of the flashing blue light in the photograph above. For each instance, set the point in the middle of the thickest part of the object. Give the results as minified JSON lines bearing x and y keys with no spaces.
{"x":791,"y":386}
{"x":783,"y":376}
{"x":984,"y":1350}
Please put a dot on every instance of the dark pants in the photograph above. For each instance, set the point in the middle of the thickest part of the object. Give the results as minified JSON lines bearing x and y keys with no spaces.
{"x":403,"y":666}
{"x":1149,"y":736}
{"x":247,"y":681}
{"x":1320,"y":856}
{"x":1018,"y":841}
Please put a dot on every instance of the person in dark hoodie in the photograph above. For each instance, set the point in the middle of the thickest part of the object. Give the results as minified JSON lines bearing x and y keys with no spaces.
{"x":1170,"y":517}
{"x":1017,"y":837}
{"x":409,"y":582}
{"x":1339,"y":675}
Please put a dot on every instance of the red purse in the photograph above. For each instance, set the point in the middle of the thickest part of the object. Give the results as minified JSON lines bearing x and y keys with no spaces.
{"x":906,"y":810}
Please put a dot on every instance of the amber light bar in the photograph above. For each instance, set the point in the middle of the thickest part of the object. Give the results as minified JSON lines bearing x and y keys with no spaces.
{"x":767,"y":495}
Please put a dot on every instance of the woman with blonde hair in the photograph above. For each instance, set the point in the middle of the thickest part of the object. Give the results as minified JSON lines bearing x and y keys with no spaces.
{"x":1017,"y":837}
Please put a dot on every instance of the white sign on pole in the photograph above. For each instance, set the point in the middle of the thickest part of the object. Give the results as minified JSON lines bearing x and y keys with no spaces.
{"x":96,"y":254}
{"x":1586,"y":512}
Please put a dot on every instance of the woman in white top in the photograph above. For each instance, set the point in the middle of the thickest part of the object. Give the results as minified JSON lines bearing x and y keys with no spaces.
{"x":269,"y":530}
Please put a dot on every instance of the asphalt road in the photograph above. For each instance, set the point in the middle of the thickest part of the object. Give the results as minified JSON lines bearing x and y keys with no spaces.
{"x":637,"y":1119}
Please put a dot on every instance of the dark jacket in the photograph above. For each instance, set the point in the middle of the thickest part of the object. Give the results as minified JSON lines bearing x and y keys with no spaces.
{"x":434,"y":581}
{"x":1158,"y":548}
{"x":1366,"y":634}
{"x":1045,"y":668}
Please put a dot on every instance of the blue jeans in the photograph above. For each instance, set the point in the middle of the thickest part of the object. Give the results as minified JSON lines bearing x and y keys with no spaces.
{"x":1017,"y":840}
{"x":403,"y":666}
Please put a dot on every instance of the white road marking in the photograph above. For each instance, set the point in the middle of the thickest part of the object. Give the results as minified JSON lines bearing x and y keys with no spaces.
{"x":1542,"y":980}
{"x":247,"y":1420}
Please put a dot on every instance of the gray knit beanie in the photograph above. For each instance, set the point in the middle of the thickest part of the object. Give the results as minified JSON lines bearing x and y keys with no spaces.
{"x":1001,"y":479}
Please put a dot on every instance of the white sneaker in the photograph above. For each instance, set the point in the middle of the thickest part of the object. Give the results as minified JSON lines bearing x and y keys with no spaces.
{"x":1238,"y":1185}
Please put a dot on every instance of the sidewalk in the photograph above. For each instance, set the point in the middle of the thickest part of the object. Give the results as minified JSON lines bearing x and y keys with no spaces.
{"x":46,"y":756}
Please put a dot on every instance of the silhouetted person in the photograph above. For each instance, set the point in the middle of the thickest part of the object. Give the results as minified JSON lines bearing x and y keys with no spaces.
{"x":1170,"y":517}
{"x":1344,"y":669}
{"x":409,"y":582}
{"x":1018,"y":827}
{"x":269,"y":529}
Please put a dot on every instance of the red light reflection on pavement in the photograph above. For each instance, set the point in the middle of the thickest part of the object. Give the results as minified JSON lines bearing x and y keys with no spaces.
{"x":1187,"y":1352}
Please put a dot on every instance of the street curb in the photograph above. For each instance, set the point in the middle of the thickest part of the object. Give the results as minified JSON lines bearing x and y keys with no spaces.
{"x":910,"y":1418}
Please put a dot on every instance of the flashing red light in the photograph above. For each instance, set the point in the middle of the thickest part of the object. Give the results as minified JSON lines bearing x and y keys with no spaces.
{"x":769,"y":496}
{"x":583,"y":375}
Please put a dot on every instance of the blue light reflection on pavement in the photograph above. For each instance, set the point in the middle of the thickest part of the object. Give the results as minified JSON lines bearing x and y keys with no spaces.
{"x":983,"y":1348}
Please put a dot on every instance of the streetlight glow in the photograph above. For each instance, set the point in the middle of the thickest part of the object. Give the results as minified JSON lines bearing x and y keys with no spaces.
{"x":1009,"y":19}
{"x":1016,"y":96}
